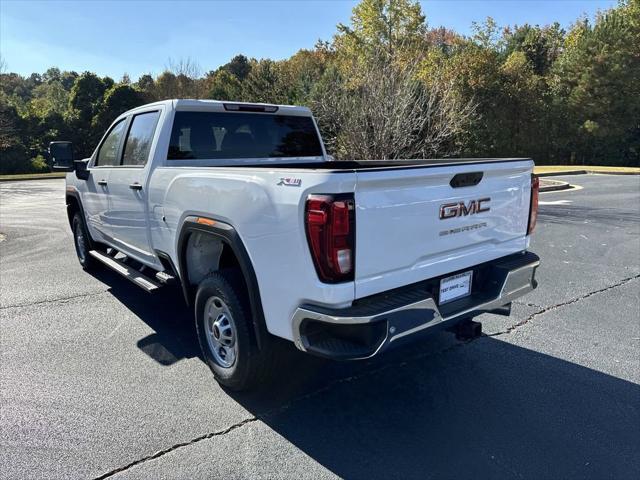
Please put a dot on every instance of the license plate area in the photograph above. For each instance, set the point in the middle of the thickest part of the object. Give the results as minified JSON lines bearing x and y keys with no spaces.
{"x":455,"y":287}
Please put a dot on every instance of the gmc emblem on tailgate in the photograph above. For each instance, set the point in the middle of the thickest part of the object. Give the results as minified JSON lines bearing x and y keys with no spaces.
{"x":461,"y":209}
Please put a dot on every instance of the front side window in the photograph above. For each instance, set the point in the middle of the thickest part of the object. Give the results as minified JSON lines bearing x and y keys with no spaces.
{"x":108,"y":153}
{"x":138,"y":144}
{"x":226,"y":135}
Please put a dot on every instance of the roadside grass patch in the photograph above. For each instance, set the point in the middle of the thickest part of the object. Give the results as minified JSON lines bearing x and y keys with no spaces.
{"x":30,"y":176}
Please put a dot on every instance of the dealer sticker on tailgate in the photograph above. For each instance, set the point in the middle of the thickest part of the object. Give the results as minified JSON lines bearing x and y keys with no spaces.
{"x":456,"y":286}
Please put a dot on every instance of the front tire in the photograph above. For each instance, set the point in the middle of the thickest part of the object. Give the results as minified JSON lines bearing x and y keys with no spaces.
{"x":225,"y":333}
{"x":82,"y":242}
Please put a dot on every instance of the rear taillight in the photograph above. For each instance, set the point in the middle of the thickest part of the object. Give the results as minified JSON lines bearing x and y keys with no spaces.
{"x":330,"y":223}
{"x":533,"y":207}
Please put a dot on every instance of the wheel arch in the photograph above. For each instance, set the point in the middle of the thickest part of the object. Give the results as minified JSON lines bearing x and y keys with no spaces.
{"x":72,"y":199}
{"x":74,"y":204}
{"x":226,"y":249}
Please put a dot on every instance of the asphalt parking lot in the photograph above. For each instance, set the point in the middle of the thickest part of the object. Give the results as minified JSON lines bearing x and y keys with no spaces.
{"x":98,"y":379}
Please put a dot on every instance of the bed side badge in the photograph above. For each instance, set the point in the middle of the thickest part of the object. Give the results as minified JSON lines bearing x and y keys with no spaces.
{"x":290,"y":181}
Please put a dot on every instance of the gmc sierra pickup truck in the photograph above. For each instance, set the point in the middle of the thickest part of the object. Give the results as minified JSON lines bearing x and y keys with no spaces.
{"x":269,"y":238}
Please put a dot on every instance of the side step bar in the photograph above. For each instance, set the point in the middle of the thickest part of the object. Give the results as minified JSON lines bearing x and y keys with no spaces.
{"x":126,"y":271}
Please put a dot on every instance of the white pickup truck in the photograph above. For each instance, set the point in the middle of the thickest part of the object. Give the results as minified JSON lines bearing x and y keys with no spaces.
{"x":269,"y":238}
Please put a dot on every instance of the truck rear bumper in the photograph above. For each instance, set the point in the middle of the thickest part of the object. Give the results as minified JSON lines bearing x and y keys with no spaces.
{"x":376,"y":323}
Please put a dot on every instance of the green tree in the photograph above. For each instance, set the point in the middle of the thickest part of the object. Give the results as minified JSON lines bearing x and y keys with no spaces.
{"x":522,"y":117}
{"x":49,"y":98}
{"x":146,"y":86}
{"x":597,"y":84}
{"x":13,"y":153}
{"x":300,"y":73}
{"x":542,"y":46}
{"x":166,"y":86}
{"x":85,"y":101}
{"x":224,"y":86}
{"x":68,"y":79}
{"x":86,"y":96}
{"x":117,"y":100}
{"x":239,"y":66}
{"x":181,"y":85}
{"x":265,"y":83}
{"x":51,"y":75}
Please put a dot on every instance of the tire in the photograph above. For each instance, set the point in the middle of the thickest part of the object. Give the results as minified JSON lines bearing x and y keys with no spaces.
{"x":225,"y":333}
{"x":82,"y":242}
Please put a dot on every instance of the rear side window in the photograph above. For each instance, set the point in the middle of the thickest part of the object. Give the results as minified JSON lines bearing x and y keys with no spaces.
{"x":108,"y":153}
{"x":212,"y":135}
{"x":138,"y":144}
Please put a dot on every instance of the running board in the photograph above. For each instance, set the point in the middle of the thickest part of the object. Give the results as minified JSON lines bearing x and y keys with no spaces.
{"x":126,"y":271}
{"x":165,"y":278}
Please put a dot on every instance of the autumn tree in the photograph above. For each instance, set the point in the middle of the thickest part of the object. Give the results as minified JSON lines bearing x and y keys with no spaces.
{"x":390,"y":114}
{"x":379,"y":103}
{"x":394,"y":29}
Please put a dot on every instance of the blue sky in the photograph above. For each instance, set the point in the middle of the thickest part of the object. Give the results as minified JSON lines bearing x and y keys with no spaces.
{"x":137,"y":37}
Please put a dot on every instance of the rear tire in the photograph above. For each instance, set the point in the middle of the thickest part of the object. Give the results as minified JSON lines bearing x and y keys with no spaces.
{"x":82,"y":242}
{"x":225,"y":332}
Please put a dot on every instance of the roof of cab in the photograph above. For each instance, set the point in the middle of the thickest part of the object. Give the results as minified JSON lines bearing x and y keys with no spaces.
{"x":219,"y":106}
{"x":192,"y":105}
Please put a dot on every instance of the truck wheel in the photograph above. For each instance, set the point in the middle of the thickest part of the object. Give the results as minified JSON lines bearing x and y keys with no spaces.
{"x":82,"y":242}
{"x":223,"y":324}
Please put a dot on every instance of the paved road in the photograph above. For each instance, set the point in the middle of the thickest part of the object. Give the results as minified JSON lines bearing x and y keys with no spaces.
{"x":97,"y":377}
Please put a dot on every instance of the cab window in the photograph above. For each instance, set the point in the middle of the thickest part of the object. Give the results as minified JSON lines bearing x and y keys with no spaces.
{"x":213,"y":135}
{"x":139,"y":138}
{"x":108,"y":152}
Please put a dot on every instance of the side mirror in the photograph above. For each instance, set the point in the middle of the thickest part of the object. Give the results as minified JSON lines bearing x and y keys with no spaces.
{"x":61,"y":154}
{"x":81,"y":169}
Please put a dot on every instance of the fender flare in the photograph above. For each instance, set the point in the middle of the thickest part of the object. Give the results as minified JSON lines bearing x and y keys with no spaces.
{"x":73,"y":193}
{"x":230,"y":237}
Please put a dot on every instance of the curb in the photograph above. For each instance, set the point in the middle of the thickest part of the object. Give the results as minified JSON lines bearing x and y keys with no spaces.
{"x":583,"y":172}
{"x":561,"y":174}
{"x":555,"y":188}
{"x":595,"y":172}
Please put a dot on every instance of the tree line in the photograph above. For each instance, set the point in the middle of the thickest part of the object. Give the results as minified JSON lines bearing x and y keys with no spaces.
{"x":386,"y":86}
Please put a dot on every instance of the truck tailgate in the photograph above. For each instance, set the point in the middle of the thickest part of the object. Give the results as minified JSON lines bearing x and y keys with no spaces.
{"x":401,"y":239}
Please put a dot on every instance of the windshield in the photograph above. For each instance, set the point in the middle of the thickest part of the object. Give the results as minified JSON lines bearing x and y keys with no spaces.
{"x":211,"y":135}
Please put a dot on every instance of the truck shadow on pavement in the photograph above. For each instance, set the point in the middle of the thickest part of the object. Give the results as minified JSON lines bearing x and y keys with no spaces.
{"x":487,"y":409}
{"x":174,"y":336}
{"x":438,"y":409}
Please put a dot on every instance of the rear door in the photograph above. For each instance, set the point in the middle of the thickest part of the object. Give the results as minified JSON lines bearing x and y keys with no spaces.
{"x":127,"y":217}
{"x":413,"y":224}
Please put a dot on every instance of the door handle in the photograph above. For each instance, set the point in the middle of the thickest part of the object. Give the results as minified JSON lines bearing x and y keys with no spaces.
{"x":135,"y":186}
{"x":102,"y":182}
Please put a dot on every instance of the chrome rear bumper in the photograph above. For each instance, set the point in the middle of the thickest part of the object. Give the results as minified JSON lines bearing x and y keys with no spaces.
{"x":375,"y":323}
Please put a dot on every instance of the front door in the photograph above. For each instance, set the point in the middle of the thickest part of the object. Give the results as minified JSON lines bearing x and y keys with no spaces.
{"x":127,"y":217}
{"x":95,"y":199}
